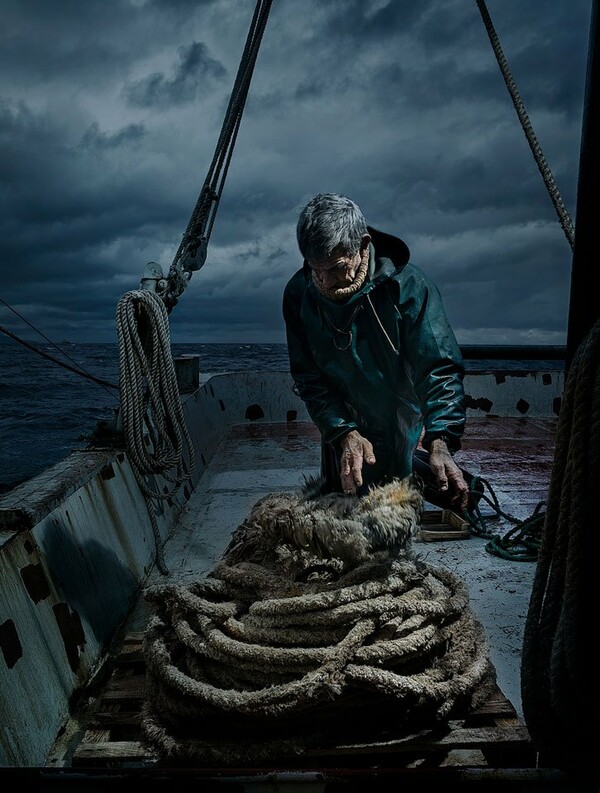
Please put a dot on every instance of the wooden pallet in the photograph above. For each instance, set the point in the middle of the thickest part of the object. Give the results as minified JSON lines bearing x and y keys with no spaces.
{"x":443,"y":524}
{"x":490,"y":737}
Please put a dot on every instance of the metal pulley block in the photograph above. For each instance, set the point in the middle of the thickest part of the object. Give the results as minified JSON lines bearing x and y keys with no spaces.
{"x":194,"y":255}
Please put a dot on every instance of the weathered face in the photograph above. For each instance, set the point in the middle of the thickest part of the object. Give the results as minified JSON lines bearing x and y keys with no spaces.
{"x":338,"y":271}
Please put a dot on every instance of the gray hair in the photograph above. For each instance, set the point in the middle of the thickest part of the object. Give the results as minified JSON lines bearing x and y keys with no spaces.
{"x":327,"y":222}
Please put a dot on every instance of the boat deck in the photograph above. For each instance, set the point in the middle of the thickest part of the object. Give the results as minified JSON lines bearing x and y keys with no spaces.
{"x":514,"y":455}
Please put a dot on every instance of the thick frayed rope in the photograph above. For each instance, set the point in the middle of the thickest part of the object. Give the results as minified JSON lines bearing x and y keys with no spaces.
{"x":317,"y":624}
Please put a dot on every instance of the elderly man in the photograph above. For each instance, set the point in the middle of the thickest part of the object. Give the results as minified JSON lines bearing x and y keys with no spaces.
{"x":373,"y":356}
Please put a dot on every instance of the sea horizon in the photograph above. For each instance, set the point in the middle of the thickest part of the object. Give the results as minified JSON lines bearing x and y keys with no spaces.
{"x":47,"y":410}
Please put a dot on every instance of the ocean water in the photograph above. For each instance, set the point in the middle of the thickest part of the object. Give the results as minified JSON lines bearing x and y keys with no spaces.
{"x":46,"y":411}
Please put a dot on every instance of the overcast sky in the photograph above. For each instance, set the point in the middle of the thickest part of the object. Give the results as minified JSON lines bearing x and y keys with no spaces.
{"x":110,"y":111}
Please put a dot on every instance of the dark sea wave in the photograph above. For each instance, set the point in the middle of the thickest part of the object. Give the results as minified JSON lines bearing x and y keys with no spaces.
{"x":46,"y":411}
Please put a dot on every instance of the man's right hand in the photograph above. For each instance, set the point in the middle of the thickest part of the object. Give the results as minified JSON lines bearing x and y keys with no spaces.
{"x":356,"y":450}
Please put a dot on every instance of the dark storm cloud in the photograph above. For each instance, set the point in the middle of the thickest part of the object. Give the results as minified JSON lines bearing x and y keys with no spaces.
{"x":44,"y":40}
{"x":110,"y":112}
{"x":94,"y":138}
{"x":60,"y":195}
{"x":184,"y":5}
{"x":194,"y":67}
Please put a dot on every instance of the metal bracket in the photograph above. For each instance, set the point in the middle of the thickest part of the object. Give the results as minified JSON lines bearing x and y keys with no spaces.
{"x":153,"y":279}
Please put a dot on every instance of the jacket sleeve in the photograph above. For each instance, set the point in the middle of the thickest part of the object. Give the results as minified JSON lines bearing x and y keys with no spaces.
{"x":324,"y":403}
{"x":434,"y":357}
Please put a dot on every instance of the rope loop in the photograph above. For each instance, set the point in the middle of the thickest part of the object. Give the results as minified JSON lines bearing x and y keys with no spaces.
{"x":157,"y":438}
{"x":522,"y":542}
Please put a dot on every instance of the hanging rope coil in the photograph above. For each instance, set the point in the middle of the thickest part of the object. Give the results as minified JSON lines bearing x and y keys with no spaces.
{"x":158,"y":441}
{"x":561,"y":700}
{"x":287,"y":645}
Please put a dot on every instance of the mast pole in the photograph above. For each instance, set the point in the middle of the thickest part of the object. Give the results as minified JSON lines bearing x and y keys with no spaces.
{"x":584,"y":306}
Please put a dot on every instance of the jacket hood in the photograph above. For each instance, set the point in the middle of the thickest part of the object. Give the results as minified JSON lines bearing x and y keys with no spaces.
{"x":387,"y":246}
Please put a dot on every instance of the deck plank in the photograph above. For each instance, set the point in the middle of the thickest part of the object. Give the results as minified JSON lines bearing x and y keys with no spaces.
{"x":491,"y":730}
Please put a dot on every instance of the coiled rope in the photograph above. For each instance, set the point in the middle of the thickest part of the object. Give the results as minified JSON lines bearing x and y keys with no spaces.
{"x":317,"y":625}
{"x":522,"y":542}
{"x":560,"y":692}
{"x":158,"y":441}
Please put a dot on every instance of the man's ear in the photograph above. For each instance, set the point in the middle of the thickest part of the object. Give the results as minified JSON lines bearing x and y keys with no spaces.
{"x":364,"y":243}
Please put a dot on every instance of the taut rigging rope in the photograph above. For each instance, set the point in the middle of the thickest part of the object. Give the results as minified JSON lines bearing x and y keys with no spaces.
{"x":191,"y":253}
{"x":544,"y":168}
{"x":81,"y":372}
{"x":76,"y":369}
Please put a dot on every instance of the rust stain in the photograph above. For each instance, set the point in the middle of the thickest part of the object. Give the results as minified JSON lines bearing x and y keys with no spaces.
{"x":10,"y":644}
{"x":291,"y":435}
{"x":35,"y":581}
{"x":277,"y":430}
{"x":71,"y":631}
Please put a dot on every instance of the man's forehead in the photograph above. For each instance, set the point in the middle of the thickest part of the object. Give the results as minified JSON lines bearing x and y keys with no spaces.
{"x":336,"y":255}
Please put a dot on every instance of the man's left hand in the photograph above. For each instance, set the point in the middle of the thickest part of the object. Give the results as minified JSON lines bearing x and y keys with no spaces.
{"x":448,"y":475}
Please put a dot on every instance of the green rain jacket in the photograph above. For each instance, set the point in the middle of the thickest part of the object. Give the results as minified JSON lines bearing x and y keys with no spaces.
{"x":385,"y":362}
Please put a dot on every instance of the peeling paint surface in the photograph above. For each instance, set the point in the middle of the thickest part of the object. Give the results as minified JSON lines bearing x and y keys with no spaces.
{"x":36,"y":582}
{"x":10,"y":646}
